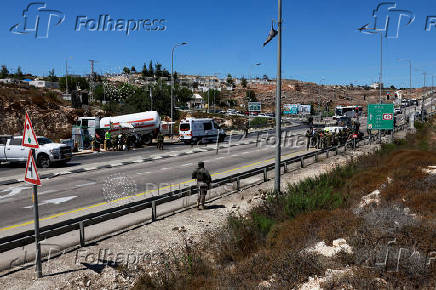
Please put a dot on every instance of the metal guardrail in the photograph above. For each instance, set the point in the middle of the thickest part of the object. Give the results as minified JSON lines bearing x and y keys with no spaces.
{"x":27,"y":237}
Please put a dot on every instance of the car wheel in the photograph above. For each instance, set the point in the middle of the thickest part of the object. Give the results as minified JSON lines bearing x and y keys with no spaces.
{"x":43,"y":161}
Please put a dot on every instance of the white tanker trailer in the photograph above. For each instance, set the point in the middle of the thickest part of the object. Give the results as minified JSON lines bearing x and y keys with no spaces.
{"x":140,"y":127}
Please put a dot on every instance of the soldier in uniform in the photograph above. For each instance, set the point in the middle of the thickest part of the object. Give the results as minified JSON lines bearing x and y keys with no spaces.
{"x":160,"y":141}
{"x":309,"y":135}
{"x":203,"y":183}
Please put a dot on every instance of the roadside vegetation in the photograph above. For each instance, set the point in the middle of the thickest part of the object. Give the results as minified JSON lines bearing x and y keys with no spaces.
{"x":268,"y":245}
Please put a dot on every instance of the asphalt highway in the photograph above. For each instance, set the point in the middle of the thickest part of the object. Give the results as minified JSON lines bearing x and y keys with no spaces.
{"x":69,"y":194}
{"x":8,"y":170}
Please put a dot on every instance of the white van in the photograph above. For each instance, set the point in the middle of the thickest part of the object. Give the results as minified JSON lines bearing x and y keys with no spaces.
{"x":195,"y":131}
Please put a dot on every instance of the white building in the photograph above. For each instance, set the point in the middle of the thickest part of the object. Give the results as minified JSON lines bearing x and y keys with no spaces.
{"x":197,"y":102}
{"x":6,"y":81}
{"x":376,"y":85}
{"x":44,"y":84}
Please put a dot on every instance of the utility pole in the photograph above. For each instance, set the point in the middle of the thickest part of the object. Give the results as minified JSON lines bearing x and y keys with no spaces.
{"x":151,"y":98}
{"x":381,"y":67}
{"x":410,"y":77}
{"x":92,"y":62}
{"x":172,"y":80}
{"x":91,"y":77}
{"x":278,"y":101}
{"x":423,"y":98}
{"x":66,"y":76}
{"x":208,"y":96}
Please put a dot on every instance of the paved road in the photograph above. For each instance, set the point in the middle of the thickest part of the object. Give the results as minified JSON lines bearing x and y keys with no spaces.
{"x":110,"y":157}
{"x":83,"y":190}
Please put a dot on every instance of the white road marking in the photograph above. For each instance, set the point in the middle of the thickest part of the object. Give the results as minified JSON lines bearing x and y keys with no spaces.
{"x":86,"y":184}
{"x":48,"y":192}
{"x":164,"y":168}
{"x":91,"y":168}
{"x":14,"y":191}
{"x":55,"y":201}
{"x":116,"y":164}
{"x":219,"y":158}
{"x":186,"y":165}
{"x":142,"y":173}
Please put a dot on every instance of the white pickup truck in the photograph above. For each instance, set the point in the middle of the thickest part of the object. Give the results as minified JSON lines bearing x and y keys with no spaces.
{"x":48,"y":153}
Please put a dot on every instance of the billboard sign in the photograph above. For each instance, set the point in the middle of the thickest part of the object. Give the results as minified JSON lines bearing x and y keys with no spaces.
{"x":290,"y":109}
{"x":255,"y":107}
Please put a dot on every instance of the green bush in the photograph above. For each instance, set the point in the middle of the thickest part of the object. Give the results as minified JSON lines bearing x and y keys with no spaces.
{"x":262,"y":223}
{"x":259,"y":122}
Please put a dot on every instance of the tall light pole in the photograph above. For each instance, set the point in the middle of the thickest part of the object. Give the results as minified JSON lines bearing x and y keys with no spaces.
{"x":423,"y":97}
{"x":410,"y":74}
{"x":381,"y":67}
{"x":319,"y":97}
{"x":172,"y":78}
{"x":373,"y":31}
{"x":278,"y":101}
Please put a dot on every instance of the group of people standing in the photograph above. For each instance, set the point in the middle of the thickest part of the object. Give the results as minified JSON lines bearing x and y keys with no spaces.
{"x":119,"y":142}
{"x":322,"y":138}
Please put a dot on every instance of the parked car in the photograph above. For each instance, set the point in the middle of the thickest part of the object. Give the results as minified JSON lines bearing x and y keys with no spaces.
{"x":46,"y":155}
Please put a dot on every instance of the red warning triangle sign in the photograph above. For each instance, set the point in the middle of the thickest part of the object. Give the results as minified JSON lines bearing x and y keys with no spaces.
{"x":29,"y":137}
{"x":31,"y":176}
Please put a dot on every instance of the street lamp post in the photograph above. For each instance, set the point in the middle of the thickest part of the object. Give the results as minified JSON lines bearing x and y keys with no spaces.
{"x":410,"y":74}
{"x":319,"y":98}
{"x":172,"y":79}
{"x":278,"y":101}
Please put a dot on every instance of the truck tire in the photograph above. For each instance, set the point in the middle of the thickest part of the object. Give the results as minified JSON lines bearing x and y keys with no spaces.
{"x":43,"y":161}
{"x":147,"y":139}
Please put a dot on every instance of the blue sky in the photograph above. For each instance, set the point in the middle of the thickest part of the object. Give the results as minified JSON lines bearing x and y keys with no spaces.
{"x":320,"y":39}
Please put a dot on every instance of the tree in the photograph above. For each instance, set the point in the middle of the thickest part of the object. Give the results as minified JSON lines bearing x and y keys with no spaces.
{"x":244,"y":82}
{"x":158,"y":70}
{"x":4,"y":73}
{"x":133,"y":69}
{"x":144,"y":71}
{"x":126,"y":70}
{"x":150,"y":69}
{"x":52,"y":76}
{"x":19,"y":74}
{"x":74,"y":83}
{"x":393,"y":87}
{"x":229,"y":80}
{"x":251,"y":96}
{"x":265,"y":77}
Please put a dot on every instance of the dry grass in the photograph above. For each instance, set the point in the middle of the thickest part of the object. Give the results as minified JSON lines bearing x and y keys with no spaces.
{"x":267,"y":244}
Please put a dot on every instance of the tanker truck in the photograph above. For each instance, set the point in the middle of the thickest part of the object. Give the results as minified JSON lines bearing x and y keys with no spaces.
{"x":140,"y":128}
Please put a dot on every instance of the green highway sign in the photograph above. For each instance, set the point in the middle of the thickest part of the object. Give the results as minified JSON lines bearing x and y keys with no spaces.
{"x":381,"y":116}
{"x":254,"y":107}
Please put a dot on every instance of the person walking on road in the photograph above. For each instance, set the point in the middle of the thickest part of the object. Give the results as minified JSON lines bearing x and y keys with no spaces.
{"x":203,"y":183}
